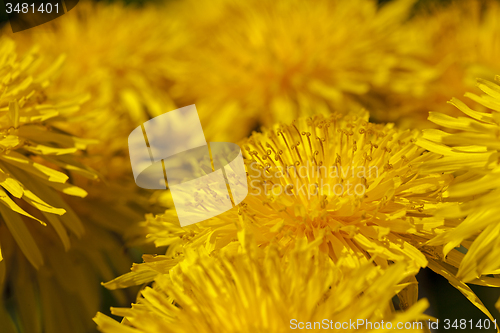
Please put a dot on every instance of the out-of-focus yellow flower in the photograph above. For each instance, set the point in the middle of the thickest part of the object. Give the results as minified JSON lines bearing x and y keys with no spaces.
{"x":116,"y":55}
{"x":352,"y":186}
{"x":257,"y":62}
{"x":472,"y":152}
{"x":33,"y":155}
{"x":119,"y":55}
{"x":50,"y":261}
{"x":256,"y":290}
{"x":460,"y":42}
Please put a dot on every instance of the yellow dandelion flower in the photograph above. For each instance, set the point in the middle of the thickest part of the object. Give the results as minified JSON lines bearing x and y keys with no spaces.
{"x":257,"y":290}
{"x":33,"y":155}
{"x":49,"y":259}
{"x":254,"y":62}
{"x":353,"y":186}
{"x":127,"y":87}
{"x":471,"y":152}
{"x":460,"y":42}
{"x":351,"y":183}
{"x":118,"y":54}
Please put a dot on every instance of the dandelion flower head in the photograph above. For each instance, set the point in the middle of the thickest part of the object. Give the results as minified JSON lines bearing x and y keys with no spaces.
{"x":103,"y":58}
{"x":312,"y":180}
{"x":47,"y":255}
{"x":459,"y":42}
{"x":257,"y":290}
{"x":253,"y":63}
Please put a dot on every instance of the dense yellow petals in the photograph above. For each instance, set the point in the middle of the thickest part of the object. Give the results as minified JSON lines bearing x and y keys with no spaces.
{"x":255,"y":290}
{"x":477,"y":188}
{"x":120,"y":55}
{"x":391,"y":220}
{"x":253,"y":63}
{"x":51,"y":261}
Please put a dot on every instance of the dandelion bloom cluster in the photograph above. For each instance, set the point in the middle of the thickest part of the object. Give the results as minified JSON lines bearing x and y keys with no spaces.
{"x":343,"y":209}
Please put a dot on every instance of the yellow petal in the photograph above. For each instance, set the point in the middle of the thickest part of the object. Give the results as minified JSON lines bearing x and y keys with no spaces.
{"x":460,"y":286}
{"x":22,"y":236}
